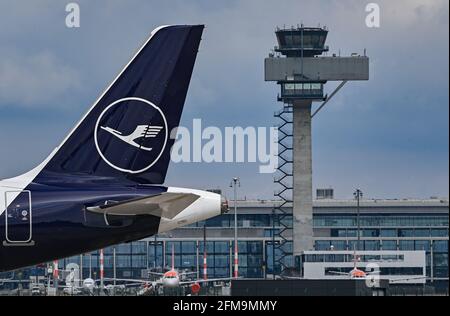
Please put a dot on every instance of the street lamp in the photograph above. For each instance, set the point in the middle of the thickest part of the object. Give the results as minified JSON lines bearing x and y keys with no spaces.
{"x":235,"y":183}
{"x":358,"y":196}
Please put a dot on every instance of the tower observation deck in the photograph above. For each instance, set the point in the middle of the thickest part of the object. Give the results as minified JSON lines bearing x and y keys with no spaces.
{"x":301,"y":70}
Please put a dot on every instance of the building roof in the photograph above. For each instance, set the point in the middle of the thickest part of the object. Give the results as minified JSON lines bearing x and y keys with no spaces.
{"x":351,"y":203}
{"x":379,"y":206}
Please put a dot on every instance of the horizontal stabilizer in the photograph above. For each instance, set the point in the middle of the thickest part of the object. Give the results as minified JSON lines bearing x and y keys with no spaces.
{"x":167,"y":205}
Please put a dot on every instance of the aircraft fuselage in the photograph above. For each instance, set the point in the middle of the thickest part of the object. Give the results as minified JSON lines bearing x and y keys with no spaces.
{"x":51,"y":222}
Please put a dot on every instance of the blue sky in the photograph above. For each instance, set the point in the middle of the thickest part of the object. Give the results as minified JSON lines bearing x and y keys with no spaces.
{"x":388,"y":136}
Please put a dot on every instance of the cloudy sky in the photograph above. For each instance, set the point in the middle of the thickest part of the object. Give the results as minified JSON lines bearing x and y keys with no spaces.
{"x":388,"y":136}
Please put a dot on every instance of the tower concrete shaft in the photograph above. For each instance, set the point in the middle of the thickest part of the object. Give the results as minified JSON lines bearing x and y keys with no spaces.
{"x":302,"y":171}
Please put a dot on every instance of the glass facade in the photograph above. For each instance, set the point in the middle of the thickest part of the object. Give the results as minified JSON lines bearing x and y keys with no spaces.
{"x":405,"y":220}
{"x":135,"y":259}
{"x":406,"y":232}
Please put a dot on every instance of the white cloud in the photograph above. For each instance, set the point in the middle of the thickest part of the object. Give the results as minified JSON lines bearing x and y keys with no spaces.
{"x":37,"y":79}
{"x":410,"y":12}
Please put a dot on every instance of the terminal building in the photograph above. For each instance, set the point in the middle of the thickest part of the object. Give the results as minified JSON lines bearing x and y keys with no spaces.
{"x":386,"y":225}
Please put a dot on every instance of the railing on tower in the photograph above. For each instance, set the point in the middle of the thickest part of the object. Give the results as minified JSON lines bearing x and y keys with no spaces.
{"x":284,"y":179}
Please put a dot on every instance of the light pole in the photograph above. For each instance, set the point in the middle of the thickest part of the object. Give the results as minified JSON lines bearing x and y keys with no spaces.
{"x":205,"y":260}
{"x":114,"y":270}
{"x":235,"y":183}
{"x":81,"y":267}
{"x":102,"y":269}
{"x":273,"y":244}
{"x":358,"y":196}
{"x":90,"y":265}
{"x":155,"y":253}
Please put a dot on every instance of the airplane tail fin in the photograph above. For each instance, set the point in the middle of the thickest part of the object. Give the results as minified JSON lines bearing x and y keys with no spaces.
{"x":126,"y":134}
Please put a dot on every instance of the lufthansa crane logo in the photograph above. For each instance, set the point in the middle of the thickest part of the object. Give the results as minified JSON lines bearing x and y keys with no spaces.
{"x":131,"y":135}
{"x":141,"y":131}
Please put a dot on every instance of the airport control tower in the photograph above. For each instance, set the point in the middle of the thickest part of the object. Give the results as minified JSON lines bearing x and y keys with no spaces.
{"x":299,"y":66}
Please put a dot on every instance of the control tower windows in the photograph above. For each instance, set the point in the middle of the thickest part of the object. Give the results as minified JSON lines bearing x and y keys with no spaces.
{"x":304,"y":90}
